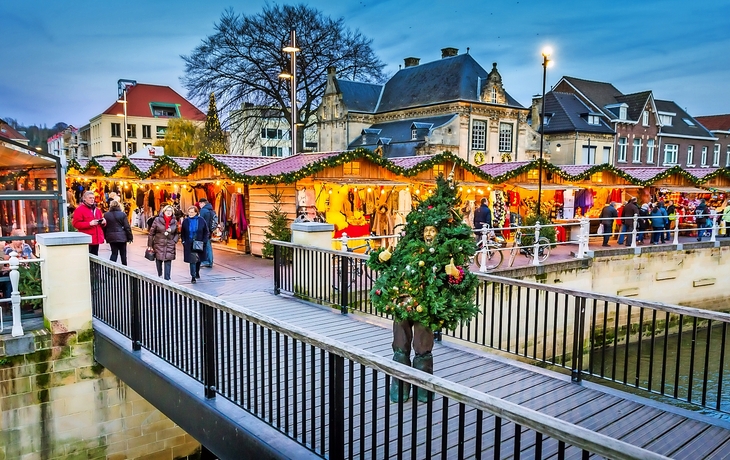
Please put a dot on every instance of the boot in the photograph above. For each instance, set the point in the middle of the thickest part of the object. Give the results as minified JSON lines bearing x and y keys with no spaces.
{"x":400,"y":357}
{"x":423,"y":363}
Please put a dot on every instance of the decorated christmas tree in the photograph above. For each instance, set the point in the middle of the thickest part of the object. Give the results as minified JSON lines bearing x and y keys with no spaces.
{"x":426,"y":277}
{"x":214,"y":138}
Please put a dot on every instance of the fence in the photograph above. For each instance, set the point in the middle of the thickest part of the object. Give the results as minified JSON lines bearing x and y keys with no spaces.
{"x":329,"y":396}
{"x":671,"y":350}
{"x":15,"y":299}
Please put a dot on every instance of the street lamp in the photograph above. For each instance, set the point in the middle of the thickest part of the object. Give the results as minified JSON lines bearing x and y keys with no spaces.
{"x":292,"y":48}
{"x":545,"y":55}
{"x":123,"y":101}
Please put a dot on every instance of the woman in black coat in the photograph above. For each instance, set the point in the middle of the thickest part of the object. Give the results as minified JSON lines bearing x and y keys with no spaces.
{"x":194,"y":229}
{"x":117,"y":231}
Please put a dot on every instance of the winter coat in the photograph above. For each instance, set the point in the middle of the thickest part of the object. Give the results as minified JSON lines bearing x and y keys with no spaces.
{"x":657,"y":218}
{"x":201,"y":234}
{"x":663,"y":212}
{"x":483,"y":215}
{"x":701,"y":214}
{"x":117,"y":229}
{"x":628,"y":215}
{"x":208,"y":214}
{"x":608,"y":214}
{"x":164,"y":245}
{"x":82,"y":217}
{"x":643,"y":219}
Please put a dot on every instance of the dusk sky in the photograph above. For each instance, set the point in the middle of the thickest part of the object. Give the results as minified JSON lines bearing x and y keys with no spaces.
{"x":61,"y":60}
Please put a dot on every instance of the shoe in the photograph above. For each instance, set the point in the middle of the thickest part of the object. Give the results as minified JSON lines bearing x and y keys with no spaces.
{"x":197,"y":275}
{"x":207,"y":266}
{"x":699,"y":239}
{"x":192,"y":280}
{"x":167,"y":279}
{"x":606,"y":245}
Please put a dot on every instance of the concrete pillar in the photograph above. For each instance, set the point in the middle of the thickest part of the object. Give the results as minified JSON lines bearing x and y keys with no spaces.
{"x":66,"y":281}
{"x":315,"y":234}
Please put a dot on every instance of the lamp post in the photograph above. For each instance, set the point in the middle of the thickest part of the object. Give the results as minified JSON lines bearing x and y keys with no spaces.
{"x":292,"y":48}
{"x":545,"y":55}
{"x":123,"y":101}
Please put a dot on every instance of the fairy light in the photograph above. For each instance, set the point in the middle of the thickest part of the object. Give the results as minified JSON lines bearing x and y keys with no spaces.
{"x":481,"y":192}
{"x":370,"y":190}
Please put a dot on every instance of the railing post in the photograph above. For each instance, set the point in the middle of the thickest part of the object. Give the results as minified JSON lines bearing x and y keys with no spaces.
{"x":337,"y":406}
{"x":483,"y":251}
{"x":576,"y":365}
{"x":345,"y":263}
{"x":587,"y":234}
{"x":135,"y":315}
{"x":277,"y":269}
{"x":210,"y":365}
{"x":676,"y":231}
{"x":634,"y":231}
{"x":344,"y":240}
{"x":581,"y":250}
{"x":713,"y":235}
{"x":536,"y":246}
{"x":15,"y":294}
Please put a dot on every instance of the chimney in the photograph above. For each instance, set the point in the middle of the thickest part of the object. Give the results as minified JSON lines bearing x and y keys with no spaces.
{"x":412,"y":61}
{"x":448,"y":52}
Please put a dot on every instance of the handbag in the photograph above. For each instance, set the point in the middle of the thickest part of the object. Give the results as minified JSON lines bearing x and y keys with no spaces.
{"x":149,"y":254}
{"x":198,"y":246}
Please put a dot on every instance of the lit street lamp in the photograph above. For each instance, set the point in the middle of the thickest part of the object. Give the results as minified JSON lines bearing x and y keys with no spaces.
{"x":545,"y":55}
{"x":292,"y":48}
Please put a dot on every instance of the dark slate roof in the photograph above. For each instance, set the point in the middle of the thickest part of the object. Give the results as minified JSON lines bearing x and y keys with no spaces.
{"x":679,"y":126}
{"x":360,"y":97}
{"x":241,"y":164}
{"x":599,"y":93}
{"x":636,"y":103}
{"x":569,"y":115}
{"x":448,"y":79}
{"x":290,"y":164}
{"x":396,"y":135}
{"x":715,"y":122}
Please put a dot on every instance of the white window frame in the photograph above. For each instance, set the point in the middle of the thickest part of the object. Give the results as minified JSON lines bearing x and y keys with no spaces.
{"x":716,"y":155}
{"x":690,"y":155}
{"x":622,"y":113}
{"x":645,"y":118}
{"x":704,"y":156}
{"x":727,"y":158}
{"x":594,"y":120}
{"x":505,"y":137}
{"x":479,"y":135}
{"x":414,"y":134}
{"x":494,"y":95}
{"x":650,"y":151}
{"x":637,"y":150}
{"x":670,"y":154}
{"x":623,"y":146}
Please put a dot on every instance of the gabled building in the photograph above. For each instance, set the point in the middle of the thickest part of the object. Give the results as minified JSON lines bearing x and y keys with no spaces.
{"x":719,"y":126}
{"x":452,"y":104}
{"x":65,"y":143}
{"x":683,"y":140}
{"x":149,"y":108}
{"x":12,"y":134}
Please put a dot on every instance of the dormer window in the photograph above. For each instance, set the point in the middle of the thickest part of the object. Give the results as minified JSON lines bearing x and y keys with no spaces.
{"x":645,"y":118}
{"x":622,"y":113}
{"x":414,"y":134}
{"x":594,"y":120}
{"x":494,"y":95}
{"x":665,"y":120}
{"x":164,"y":110}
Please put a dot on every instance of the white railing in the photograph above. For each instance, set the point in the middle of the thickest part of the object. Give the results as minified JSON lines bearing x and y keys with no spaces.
{"x":15,"y":297}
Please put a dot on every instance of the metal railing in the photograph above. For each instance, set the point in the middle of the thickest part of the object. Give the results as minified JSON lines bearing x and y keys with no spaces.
{"x":329,"y":396}
{"x":15,"y":298}
{"x":670,"y":350}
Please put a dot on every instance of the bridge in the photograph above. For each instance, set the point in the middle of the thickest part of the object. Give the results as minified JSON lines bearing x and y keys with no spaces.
{"x":288,"y":376}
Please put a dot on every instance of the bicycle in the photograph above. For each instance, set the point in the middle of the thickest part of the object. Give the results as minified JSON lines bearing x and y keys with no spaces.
{"x":543,"y":248}
{"x":489,"y":257}
{"x":357,"y":267}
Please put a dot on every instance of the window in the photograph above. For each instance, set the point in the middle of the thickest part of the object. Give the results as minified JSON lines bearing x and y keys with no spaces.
{"x":116,"y":130}
{"x":161,"y":131}
{"x":597,"y":177}
{"x":162,"y":110}
{"x":505,"y":137}
{"x":637,"y":151}
{"x":414,"y":134}
{"x":665,"y":120}
{"x":645,"y":118}
{"x":438,"y":169}
{"x":704,"y":156}
{"x":494,"y":95}
{"x":351,"y":169}
{"x":478,"y":135}
{"x":272,"y":151}
{"x":690,"y":155}
{"x":650,"y":151}
{"x":727,"y":158}
{"x":589,"y":155}
{"x":670,"y":154}
{"x":132,"y":147}
{"x":132,"y":131}
{"x":622,"y":148}
{"x":606,"y":155}
{"x":622,"y":114}
{"x":147,"y":131}
{"x":272,"y":133}
{"x":594,"y":120}
{"x":688,"y":122}
{"x":716,"y":155}
{"x":116,"y":146}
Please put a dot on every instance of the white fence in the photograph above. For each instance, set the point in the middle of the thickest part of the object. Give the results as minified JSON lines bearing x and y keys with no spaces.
{"x":15,"y":297}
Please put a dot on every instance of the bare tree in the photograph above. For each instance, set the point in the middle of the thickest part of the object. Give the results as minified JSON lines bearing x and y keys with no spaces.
{"x":241,"y":62}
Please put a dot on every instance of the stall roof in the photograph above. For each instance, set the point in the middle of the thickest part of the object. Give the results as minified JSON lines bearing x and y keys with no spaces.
{"x":14,"y":155}
{"x":497,"y":169}
{"x":241,"y":164}
{"x":684,"y":189}
{"x":290,"y":164}
{"x":643,"y":174}
{"x":701,"y":173}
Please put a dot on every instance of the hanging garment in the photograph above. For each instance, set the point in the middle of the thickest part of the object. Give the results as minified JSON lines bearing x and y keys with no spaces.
{"x":405,"y":201}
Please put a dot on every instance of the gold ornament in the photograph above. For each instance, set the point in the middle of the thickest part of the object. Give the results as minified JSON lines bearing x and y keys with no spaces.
{"x":421,"y":263}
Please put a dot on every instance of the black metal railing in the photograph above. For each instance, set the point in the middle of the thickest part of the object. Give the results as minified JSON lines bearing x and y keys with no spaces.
{"x":329,"y":396}
{"x":670,"y":350}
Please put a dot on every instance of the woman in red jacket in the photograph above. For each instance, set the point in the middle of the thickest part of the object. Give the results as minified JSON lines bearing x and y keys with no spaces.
{"x":88,"y":219}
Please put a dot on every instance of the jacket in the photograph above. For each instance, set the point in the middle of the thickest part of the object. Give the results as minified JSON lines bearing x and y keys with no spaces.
{"x":208,"y":215}
{"x":628,"y":215}
{"x":83,"y":215}
{"x":701,"y":214}
{"x":608,"y":214}
{"x":482,"y":215}
{"x":201,"y":234}
{"x":164,"y":245}
{"x":117,"y":229}
{"x":657,"y":218}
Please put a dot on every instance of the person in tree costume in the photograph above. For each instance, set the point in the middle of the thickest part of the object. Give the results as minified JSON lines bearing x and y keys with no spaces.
{"x":425,"y":282}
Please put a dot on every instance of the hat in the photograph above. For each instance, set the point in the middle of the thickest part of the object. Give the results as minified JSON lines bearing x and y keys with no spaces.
{"x":645,"y":206}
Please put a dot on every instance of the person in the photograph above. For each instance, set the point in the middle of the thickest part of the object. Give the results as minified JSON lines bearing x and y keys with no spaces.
{"x":627,"y":220}
{"x":24,"y":251}
{"x":726,"y":219}
{"x":608,"y":214}
{"x":211,"y":219}
{"x":117,"y":231}
{"x":164,"y":233}
{"x":701,"y":218}
{"x":482,"y":215}
{"x":194,"y":229}
{"x":87,"y":218}
{"x":657,"y":220}
{"x":672,"y":215}
{"x":643,"y":222}
{"x":663,"y":212}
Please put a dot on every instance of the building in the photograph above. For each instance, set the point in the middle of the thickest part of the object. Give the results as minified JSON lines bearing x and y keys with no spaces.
{"x":148,"y":109}
{"x":719,"y":126}
{"x":451,"y":104}
{"x":12,"y":134}
{"x":257,"y":131}
{"x":65,"y":143}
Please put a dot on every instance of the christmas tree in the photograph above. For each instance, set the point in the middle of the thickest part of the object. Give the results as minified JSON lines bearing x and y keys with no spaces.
{"x":214,"y":138}
{"x":427,"y":280}
{"x":278,"y":225}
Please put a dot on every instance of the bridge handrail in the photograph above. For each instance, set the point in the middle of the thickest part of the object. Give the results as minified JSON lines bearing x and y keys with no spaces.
{"x":575,"y":435}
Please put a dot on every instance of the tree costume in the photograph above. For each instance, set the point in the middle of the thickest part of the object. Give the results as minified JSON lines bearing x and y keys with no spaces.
{"x":425,"y":282}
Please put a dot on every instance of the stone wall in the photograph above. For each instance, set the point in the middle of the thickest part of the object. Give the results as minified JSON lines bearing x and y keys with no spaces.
{"x":56,"y":402}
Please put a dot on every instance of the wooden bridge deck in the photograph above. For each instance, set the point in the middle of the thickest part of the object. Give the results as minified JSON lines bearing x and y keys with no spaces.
{"x":655,"y":426}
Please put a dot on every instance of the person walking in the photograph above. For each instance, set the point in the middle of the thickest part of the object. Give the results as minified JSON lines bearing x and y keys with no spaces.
{"x":701,"y":215}
{"x":164,"y":233}
{"x":117,"y":231}
{"x":643,"y":222}
{"x":87,"y":218}
{"x":482,"y":216}
{"x":657,"y":220}
{"x":194,"y":230}
{"x":608,"y":214}
{"x":211,"y":219}
{"x":627,"y":219}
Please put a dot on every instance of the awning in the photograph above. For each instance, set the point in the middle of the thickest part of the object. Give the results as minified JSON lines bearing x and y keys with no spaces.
{"x":547,"y":187}
{"x":14,"y":157}
{"x":684,"y":189}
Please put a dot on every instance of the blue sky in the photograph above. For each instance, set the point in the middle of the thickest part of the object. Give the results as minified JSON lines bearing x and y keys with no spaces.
{"x":62,"y":60}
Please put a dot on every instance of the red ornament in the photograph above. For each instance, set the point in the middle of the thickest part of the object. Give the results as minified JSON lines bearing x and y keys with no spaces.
{"x":378,"y":292}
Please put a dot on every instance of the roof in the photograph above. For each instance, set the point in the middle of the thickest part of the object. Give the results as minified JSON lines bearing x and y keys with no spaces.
{"x":447,"y":79}
{"x":141,"y":96}
{"x":680,"y":126}
{"x":290,"y":164}
{"x":599,"y":93}
{"x":397,"y":135}
{"x":636,"y":102}
{"x":574,"y":170}
{"x":241,"y":164}
{"x":409,"y":162}
{"x":715,"y":122}
{"x":569,"y":115}
{"x":360,"y":97}
{"x":643,"y":174}
{"x":14,"y":155}
{"x":11,"y":133}
{"x":497,"y":169}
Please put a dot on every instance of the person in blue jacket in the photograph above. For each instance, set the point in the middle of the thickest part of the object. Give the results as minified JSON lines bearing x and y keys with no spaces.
{"x":194,"y":229}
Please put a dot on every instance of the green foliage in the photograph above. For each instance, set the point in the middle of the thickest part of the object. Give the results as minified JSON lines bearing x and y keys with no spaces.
{"x":183,"y":138}
{"x":214,"y":139}
{"x":547,"y":232}
{"x":278,"y":225}
{"x":413,"y":284}
{"x":30,"y":284}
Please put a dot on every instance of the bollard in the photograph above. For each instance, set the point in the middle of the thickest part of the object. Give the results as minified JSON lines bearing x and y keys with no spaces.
{"x":483,"y":250}
{"x":633,"y":232}
{"x":536,"y":246}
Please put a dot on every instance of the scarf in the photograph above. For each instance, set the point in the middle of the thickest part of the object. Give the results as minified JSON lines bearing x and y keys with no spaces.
{"x":168,"y":220}
{"x":193,"y":227}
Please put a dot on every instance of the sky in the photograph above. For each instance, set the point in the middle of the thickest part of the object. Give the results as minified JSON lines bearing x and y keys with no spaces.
{"x":61,"y":60}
